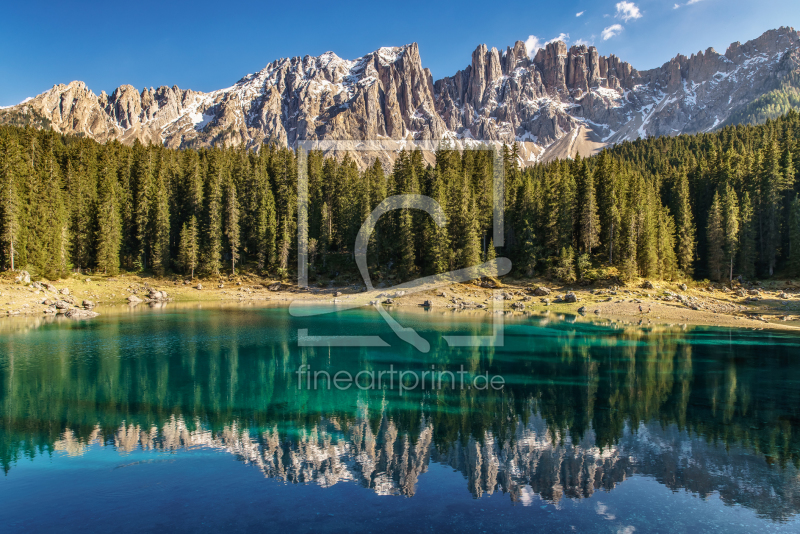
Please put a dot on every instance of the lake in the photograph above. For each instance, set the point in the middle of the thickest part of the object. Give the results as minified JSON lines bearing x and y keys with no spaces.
{"x":191,"y":418}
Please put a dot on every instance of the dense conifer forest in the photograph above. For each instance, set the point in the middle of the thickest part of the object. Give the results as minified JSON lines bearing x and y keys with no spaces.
{"x":712,"y":205}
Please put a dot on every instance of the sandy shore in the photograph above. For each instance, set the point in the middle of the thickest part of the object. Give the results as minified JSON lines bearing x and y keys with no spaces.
{"x":774,"y":306}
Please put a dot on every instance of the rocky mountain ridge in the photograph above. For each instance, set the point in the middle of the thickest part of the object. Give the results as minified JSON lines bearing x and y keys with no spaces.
{"x":540,"y":463}
{"x":557,"y":102}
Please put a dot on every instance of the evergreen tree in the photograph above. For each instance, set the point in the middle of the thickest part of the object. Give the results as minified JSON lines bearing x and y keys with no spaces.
{"x":583,"y":263}
{"x":160,"y":231}
{"x":747,"y":237}
{"x":81,"y":192}
{"x":608,"y":202}
{"x":628,"y":255}
{"x":565,"y":265}
{"x":491,"y":253}
{"x":716,"y":239}
{"x":439,"y":249}
{"x":48,"y":226}
{"x":732,"y":225}
{"x":406,"y":264}
{"x":325,"y":232}
{"x":529,"y":249}
{"x":189,"y":250}
{"x":471,"y":252}
{"x":665,"y":245}
{"x":213,"y":216}
{"x":11,"y":169}
{"x":589,"y":220}
{"x":771,"y":181}
{"x":794,"y":237}
{"x":58,"y":192}
{"x":265,"y":225}
{"x":232,"y":223}
{"x":684,"y":222}
{"x":144,"y":168}
{"x":109,"y":233}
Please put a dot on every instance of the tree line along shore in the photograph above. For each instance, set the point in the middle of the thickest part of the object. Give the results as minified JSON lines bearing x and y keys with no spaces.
{"x":715,"y":206}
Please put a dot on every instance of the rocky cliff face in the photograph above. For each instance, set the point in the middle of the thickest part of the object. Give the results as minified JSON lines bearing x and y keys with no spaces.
{"x":558,"y":102}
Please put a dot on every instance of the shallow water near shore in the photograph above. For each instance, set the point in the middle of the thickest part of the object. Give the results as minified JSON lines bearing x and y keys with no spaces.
{"x":195,"y":418}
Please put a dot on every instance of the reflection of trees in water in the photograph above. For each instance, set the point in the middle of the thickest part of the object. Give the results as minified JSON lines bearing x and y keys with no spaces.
{"x":561,"y":427}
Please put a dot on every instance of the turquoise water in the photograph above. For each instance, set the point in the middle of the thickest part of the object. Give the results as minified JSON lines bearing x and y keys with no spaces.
{"x":195,"y":419}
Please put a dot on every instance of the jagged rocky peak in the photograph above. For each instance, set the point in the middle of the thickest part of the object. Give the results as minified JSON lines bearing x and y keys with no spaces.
{"x":556,"y":101}
{"x":581,"y":67}
{"x":769,"y":42}
{"x":386,"y":93}
{"x":705,"y":65}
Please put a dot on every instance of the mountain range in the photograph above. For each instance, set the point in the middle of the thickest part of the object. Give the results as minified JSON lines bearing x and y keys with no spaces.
{"x":555,"y":101}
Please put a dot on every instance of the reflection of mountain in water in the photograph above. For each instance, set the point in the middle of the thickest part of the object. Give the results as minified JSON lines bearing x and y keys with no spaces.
{"x":721,"y":409}
{"x":536,"y":461}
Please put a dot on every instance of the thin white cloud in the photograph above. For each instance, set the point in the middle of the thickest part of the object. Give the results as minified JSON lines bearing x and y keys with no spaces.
{"x":561,"y":37}
{"x":579,"y":14}
{"x":533,"y":43}
{"x":611,"y":31}
{"x":628,"y":11}
{"x":690,"y":2}
{"x":580,"y":42}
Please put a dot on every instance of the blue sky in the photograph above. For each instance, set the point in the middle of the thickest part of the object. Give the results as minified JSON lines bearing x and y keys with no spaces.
{"x":210,"y":45}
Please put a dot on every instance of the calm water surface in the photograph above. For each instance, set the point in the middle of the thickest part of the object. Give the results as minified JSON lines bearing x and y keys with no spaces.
{"x":194,"y":420}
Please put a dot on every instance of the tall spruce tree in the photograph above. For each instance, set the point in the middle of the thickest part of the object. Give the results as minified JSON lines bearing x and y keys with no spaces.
{"x":716,"y":238}
{"x":189,"y":249}
{"x":684,"y":221}
{"x":212,"y":255}
{"x":12,"y":169}
{"x":747,"y":237}
{"x":144,"y":170}
{"x":232,"y":223}
{"x":265,"y":224}
{"x":794,"y":237}
{"x":589,"y":221}
{"x":109,"y":233}
{"x":732,"y":226}
{"x":771,"y":181}
{"x":160,"y":224}
{"x":407,"y":253}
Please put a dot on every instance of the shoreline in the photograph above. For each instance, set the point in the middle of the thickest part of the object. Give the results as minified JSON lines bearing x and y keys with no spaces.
{"x":775,"y":305}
